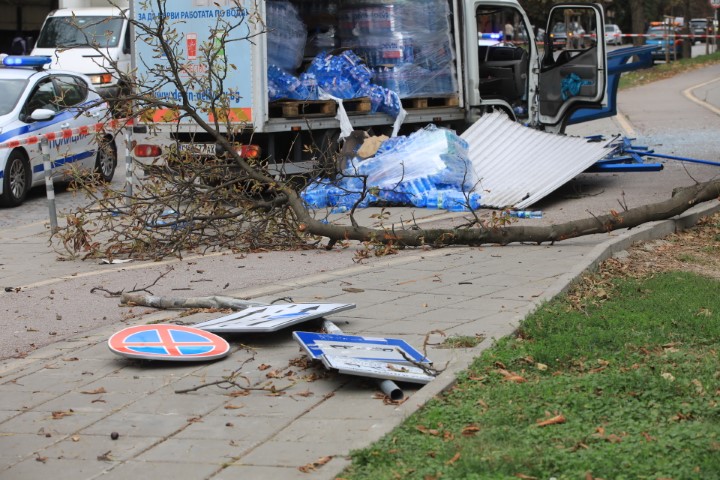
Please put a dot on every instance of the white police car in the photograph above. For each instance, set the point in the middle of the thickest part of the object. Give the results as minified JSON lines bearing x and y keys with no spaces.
{"x":35,"y":102}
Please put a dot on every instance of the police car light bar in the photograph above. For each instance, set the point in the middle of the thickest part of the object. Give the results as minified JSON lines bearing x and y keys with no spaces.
{"x":25,"y":61}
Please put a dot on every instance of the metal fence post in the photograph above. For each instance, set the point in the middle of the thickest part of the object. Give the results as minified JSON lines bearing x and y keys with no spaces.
{"x":49,"y":187}
{"x":128,"y":165}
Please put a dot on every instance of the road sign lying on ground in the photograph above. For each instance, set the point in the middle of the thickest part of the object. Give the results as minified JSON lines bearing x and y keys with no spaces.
{"x":361,"y":348}
{"x":270,"y":318}
{"x":402,"y":372}
{"x":168,"y":342}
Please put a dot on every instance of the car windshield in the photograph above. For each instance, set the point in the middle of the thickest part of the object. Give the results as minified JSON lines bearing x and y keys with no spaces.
{"x":63,"y":32}
{"x":559,"y":28}
{"x":12,"y":89}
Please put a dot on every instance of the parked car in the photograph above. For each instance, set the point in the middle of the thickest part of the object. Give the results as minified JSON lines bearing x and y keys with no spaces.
{"x":613,"y":34}
{"x":569,"y":36}
{"x":37,"y":101}
{"x":669,"y":40}
{"x":698,"y":29}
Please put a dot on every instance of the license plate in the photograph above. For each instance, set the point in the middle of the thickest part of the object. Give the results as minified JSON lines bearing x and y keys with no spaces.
{"x":198,"y":148}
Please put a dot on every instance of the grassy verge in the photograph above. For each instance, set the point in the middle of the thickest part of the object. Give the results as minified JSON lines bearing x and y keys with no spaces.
{"x":666,"y":70}
{"x":617,"y":379}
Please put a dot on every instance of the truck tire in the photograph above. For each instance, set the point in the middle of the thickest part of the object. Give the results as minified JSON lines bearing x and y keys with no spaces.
{"x":16,"y":180}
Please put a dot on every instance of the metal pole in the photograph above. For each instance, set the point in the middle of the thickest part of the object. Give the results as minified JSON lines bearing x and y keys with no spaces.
{"x":128,"y":165}
{"x":388,"y":387}
{"x":49,"y":188}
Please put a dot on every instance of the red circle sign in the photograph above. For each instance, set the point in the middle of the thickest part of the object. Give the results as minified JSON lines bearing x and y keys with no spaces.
{"x":168,"y":342}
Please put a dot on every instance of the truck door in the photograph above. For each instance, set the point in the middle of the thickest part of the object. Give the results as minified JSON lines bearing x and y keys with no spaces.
{"x":573,"y":70}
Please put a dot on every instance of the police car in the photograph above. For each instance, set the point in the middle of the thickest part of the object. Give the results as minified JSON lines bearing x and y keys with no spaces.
{"x":36,"y":103}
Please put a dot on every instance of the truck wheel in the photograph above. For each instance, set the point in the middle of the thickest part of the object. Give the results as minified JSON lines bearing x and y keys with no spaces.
{"x":106,"y":161}
{"x":16,"y":181}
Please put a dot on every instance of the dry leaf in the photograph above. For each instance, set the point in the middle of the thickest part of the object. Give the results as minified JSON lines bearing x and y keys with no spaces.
{"x":454,"y":459}
{"x":105,"y":457}
{"x":311,"y":467}
{"x":551,"y":421}
{"x":525,"y":477}
{"x":263,"y":366}
{"x":75,"y":438}
{"x":97,"y":391}
{"x":57,"y":415}
{"x":353,"y":290}
{"x":234,"y":407}
{"x":41,"y":459}
{"x":305,"y":393}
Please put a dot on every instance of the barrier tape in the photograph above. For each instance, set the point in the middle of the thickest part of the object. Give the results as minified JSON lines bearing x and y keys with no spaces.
{"x":113,"y":124}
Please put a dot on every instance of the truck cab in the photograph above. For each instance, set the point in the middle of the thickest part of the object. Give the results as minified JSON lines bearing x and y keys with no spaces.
{"x":94,"y":41}
{"x":541,"y":85}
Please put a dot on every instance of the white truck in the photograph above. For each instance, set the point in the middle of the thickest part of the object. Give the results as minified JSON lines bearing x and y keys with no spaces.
{"x":471,"y":67}
{"x":92,"y":37}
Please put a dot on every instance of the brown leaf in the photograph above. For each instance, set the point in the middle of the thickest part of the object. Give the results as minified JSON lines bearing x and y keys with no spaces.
{"x":305,"y":393}
{"x":353,"y":290}
{"x":311,"y":467}
{"x":454,"y":459}
{"x":97,"y":391}
{"x":263,"y":366}
{"x":105,"y":457}
{"x":57,"y":415}
{"x":551,"y":421}
{"x":470,"y":430}
{"x":525,"y":477}
{"x":234,"y":407}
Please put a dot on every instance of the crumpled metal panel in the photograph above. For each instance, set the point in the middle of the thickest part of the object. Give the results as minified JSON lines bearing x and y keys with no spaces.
{"x":516,"y":166}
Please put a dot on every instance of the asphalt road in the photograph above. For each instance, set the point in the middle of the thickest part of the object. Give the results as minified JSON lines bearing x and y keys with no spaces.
{"x":52,"y":300}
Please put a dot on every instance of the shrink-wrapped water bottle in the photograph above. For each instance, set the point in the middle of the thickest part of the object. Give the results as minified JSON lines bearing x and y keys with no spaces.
{"x":526,"y":213}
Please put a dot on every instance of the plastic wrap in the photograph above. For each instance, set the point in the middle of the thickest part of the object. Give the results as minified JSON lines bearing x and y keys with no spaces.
{"x":429,"y":168}
{"x":407,"y":44}
{"x":286,"y":37}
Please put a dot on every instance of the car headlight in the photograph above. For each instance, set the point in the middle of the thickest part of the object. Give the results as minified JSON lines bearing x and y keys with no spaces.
{"x":101,"y":79}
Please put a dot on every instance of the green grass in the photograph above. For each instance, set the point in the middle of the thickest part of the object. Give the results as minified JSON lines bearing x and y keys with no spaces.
{"x":636,"y":379}
{"x":666,"y":70}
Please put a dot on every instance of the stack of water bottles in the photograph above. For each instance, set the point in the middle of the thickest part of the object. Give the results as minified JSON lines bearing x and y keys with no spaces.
{"x":427,"y":169}
{"x":343,"y":76}
{"x":407,"y":43}
{"x":286,"y":35}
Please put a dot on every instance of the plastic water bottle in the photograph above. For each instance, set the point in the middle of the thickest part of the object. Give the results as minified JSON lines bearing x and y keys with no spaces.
{"x":526,"y":213}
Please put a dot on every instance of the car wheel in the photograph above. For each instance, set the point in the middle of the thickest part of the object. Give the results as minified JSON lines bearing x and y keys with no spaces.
{"x":106,"y":161}
{"x":16,"y":180}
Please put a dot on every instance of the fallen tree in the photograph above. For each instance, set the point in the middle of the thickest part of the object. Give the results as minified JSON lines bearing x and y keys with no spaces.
{"x":182,"y":203}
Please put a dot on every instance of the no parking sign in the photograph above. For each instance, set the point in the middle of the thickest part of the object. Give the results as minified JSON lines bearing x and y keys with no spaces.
{"x":168,"y":342}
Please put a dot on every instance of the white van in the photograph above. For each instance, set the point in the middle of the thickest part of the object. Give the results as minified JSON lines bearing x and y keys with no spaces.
{"x":94,"y":41}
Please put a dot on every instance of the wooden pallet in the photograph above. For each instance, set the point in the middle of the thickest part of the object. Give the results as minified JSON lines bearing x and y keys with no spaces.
{"x":357,"y":105}
{"x":428,"y":102}
{"x":317,"y":108}
{"x":302,"y":108}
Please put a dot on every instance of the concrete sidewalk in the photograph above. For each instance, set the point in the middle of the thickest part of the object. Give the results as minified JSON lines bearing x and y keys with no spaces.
{"x":60,"y":404}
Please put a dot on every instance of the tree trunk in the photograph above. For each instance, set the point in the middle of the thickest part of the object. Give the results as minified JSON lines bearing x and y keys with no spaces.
{"x":681,"y":200}
{"x":637,"y":13}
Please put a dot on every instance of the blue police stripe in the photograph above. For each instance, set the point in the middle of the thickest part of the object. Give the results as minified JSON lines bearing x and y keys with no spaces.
{"x":63,"y":161}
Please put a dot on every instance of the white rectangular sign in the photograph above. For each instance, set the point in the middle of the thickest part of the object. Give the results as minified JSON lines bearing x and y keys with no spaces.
{"x":401,"y":372}
{"x":270,"y":318}
{"x":361,"y":348}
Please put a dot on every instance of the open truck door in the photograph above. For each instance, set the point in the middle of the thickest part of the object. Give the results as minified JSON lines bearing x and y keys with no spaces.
{"x":573,"y":69}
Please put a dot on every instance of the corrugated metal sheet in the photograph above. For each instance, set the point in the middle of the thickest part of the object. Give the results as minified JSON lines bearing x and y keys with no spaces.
{"x":516,"y":166}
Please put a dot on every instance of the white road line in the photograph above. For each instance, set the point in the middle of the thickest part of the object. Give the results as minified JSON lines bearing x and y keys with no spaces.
{"x":688,"y":92}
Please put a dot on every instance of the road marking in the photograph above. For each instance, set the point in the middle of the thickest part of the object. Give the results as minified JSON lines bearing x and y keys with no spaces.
{"x":688,"y":92}
{"x":625,"y":125}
